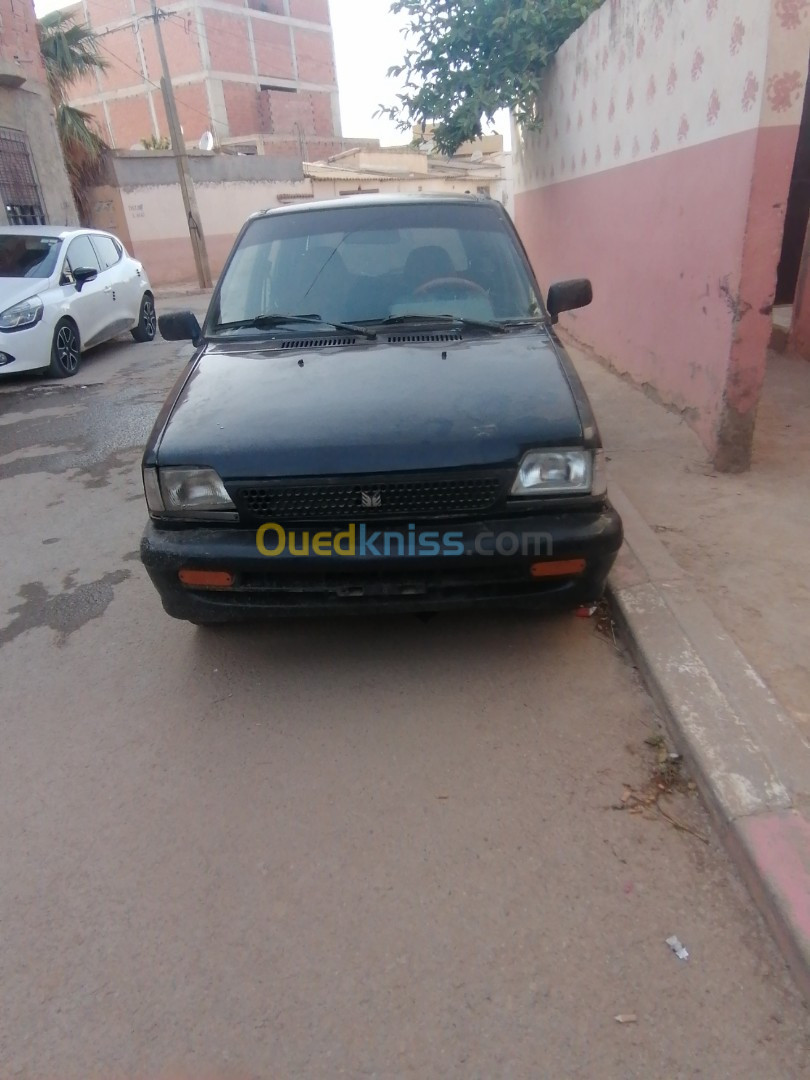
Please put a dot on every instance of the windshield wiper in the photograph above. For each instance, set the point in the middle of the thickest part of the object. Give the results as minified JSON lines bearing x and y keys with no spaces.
{"x":267,"y":322}
{"x":458,"y":320}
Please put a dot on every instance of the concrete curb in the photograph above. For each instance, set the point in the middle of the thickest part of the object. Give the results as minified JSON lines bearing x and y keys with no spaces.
{"x":750,"y":761}
{"x":177,"y":292}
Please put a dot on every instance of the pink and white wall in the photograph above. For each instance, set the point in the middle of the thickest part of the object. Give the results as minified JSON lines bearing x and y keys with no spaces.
{"x":662,"y":172}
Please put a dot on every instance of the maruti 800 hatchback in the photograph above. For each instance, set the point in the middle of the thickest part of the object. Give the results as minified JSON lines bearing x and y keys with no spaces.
{"x":378,"y":414}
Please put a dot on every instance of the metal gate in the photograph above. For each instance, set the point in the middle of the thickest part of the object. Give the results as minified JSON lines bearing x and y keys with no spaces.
{"x":18,"y":183}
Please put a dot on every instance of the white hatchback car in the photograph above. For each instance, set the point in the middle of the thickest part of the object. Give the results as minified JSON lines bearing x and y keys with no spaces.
{"x":64,"y":290}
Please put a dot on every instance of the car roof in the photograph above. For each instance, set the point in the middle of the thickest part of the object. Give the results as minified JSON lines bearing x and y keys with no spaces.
{"x":362,"y":200}
{"x":60,"y":232}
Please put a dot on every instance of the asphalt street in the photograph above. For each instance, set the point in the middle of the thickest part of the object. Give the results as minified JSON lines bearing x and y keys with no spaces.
{"x":381,"y":847}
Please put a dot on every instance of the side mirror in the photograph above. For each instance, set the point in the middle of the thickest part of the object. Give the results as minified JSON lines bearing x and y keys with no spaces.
{"x":567,"y":295}
{"x":180,"y":326}
{"x":83,"y":274}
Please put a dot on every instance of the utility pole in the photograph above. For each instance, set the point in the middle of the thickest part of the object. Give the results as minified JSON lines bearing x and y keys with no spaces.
{"x":181,"y":160}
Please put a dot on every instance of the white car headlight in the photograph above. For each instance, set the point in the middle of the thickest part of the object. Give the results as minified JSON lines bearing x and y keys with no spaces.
{"x":559,"y":472}
{"x":20,"y":316}
{"x":187,"y":491}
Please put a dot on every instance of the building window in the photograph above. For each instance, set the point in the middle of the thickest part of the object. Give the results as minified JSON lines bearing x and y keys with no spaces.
{"x":18,"y":183}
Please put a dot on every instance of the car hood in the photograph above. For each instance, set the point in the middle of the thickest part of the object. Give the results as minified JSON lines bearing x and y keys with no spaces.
{"x":252,"y":412}
{"x":16,"y":289}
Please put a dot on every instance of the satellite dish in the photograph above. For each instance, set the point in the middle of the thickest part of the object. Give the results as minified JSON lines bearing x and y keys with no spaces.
{"x":207,"y":141}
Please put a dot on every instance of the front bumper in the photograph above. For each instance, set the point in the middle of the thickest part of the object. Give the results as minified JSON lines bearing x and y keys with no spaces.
{"x":26,"y":350}
{"x":268,"y":586}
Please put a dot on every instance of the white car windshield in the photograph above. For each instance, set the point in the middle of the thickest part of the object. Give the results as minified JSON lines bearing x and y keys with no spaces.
{"x":372,"y":263}
{"x":26,"y":256}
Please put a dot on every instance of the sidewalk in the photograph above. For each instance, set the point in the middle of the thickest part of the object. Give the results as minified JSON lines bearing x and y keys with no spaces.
{"x":180,"y":297}
{"x":712,"y":590}
{"x":176,"y":292}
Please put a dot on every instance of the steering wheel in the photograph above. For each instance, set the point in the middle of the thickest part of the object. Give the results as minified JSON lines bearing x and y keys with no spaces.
{"x":441,"y":283}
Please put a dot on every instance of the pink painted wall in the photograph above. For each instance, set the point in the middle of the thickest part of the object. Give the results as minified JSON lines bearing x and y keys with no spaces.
{"x":661,"y":173}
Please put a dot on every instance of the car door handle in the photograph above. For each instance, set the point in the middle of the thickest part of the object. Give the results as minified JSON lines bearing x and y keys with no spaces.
{"x":108,"y":288}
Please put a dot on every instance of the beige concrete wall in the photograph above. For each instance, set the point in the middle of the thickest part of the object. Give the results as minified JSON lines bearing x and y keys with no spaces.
{"x":151,"y":220}
{"x":504,"y":189}
{"x":107,"y":210}
{"x":332,"y":189}
{"x":385,"y":160}
{"x":141,"y":203}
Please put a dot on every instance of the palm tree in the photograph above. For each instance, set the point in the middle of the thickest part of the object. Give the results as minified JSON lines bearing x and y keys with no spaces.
{"x":70,"y":50}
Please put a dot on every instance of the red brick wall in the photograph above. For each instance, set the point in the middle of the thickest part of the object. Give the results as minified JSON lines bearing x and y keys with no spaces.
{"x":242,"y":105}
{"x":273,"y":55}
{"x":228,"y":42}
{"x":97,"y":112}
{"x":130,"y":120}
{"x":180,"y":41}
{"x":104,"y":11}
{"x":314,"y":53}
{"x":86,"y":87}
{"x":313,"y":10}
{"x":192,"y":109}
{"x":323,"y":117}
{"x":311,"y":111}
{"x":18,"y":37}
{"x":250,"y":111}
{"x":124,"y":64}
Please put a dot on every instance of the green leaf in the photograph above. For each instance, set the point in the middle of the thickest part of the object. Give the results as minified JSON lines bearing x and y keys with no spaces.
{"x":468,"y":58}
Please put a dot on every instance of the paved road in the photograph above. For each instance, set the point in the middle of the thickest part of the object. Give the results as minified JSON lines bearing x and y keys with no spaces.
{"x":322,"y":849}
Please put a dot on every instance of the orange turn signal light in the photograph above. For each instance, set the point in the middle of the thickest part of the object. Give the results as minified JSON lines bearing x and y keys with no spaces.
{"x":206,"y":579}
{"x":557,"y":568}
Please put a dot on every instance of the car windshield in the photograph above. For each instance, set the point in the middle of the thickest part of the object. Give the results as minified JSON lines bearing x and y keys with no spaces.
{"x":366,"y":264}
{"x":26,"y":256}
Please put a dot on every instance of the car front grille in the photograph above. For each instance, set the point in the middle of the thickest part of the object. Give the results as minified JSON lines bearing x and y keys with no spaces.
{"x":371,"y":497}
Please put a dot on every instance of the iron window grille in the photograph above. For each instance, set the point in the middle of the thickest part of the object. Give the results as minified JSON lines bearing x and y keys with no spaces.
{"x":18,"y":183}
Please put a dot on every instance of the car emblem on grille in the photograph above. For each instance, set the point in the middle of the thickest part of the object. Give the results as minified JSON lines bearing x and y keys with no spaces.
{"x":370,"y":498}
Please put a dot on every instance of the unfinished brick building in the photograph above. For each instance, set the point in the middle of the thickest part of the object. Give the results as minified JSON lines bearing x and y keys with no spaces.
{"x":258,"y":74}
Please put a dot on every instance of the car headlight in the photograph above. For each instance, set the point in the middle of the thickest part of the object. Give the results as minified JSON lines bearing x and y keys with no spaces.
{"x":20,"y":316}
{"x":187,"y":492}
{"x":560,"y":472}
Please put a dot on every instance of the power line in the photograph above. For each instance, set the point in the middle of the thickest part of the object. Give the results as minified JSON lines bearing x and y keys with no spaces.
{"x":245,"y":13}
{"x":186,"y":22}
{"x":144,"y":78}
{"x":191,"y":29}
